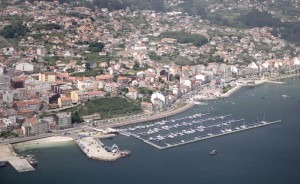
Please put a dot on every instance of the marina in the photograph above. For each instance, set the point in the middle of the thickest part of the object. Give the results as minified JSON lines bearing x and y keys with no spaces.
{"x":176,"y":132}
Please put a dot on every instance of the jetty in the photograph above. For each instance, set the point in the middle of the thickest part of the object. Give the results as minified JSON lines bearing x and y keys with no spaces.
{"x":208,"y":136}
{"x":93,"y":148}
{"x":7,"y":154}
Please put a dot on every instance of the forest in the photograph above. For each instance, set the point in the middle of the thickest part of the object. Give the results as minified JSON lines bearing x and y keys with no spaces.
{"x":287,"y":30}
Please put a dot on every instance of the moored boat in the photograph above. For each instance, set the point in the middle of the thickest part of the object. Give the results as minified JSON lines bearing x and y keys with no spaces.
{"x":32,"y":161}
{"x":2,"y":164}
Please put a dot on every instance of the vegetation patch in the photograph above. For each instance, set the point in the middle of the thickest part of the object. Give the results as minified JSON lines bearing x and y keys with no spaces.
{"x":8,"y":135}
{"x":184,"y":37}
{"x":14,"y":31}
{"x":109,"y":107}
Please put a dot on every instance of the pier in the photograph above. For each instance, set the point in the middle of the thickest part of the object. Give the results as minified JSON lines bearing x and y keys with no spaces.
{"x":93,"y":148}
{"x":221,"y":134}
{"x":21,"y":165}
{"x":7,"y":154}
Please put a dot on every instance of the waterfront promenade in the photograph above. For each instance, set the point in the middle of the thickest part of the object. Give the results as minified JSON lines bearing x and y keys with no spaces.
{"x":150,"y":117}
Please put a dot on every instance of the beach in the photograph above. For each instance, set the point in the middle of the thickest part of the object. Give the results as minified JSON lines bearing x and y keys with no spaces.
{"x":45,"y":141}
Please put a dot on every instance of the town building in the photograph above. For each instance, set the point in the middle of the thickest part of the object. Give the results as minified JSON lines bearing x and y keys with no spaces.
{"x":64,"y":102}
{"x":63,"y":120}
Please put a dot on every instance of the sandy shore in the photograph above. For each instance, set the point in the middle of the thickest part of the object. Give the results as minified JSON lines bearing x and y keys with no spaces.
{"x":48,"y":140}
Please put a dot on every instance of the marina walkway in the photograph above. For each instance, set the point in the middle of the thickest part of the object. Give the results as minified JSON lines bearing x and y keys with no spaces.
{"x":196,"y":139}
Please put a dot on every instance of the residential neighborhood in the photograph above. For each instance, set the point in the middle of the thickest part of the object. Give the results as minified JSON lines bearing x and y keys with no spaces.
{"x":73,"y":57}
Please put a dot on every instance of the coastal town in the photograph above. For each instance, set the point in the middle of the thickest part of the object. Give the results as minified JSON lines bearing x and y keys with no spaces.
{"x":67,"y":67}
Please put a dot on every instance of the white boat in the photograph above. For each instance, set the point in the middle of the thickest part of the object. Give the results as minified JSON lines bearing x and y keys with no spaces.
{"x":213,"y":152}
{"x":284,"y":95}
{"x":243,"y":126}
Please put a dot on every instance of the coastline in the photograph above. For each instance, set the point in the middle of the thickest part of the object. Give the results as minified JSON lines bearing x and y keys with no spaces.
{"x":161,"y":115}
{"x":54,"y":140}
{"x":190,"y":103}
{"x":271,"y":79}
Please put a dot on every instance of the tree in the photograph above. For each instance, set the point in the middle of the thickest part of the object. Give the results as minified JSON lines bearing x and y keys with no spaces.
{"x":125,"y":90}
{"x":14,"y":31}
{"x":34,"y":60}
{"x":136,"y":65}
{"x":96,"y":47}
{"x":154,"y":56}
{"x":75,"y":117}
{"x":177,"y":77}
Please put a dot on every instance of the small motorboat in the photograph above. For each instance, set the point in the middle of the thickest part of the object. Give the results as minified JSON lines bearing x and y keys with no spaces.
{"x":213,"y":152}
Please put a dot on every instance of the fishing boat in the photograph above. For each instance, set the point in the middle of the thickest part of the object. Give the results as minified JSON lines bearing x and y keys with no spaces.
{"x":2,"y":164}
{"x":213,"y":152}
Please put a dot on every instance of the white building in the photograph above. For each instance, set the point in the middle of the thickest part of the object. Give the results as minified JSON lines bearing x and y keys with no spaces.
{"x":8,"y":97}
{"x":85,"y":85}
{"x":296,"y":61}
{"x":41,"y":51}
{"x":24,"y":67}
